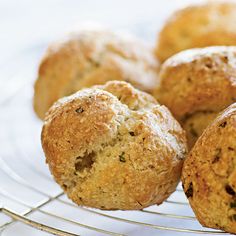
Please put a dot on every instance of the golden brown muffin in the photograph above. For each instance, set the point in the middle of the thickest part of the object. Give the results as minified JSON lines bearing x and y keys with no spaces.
{"x":196,"y":85}
{"x":209,"y":173}
{"x":89,"y":58}
{"x":208,"y":24}
{"x":113,"y":147}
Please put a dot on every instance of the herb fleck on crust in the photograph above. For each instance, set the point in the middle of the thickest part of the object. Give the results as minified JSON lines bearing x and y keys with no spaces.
{"x":210,"y":168}
{"x":124,"y":151}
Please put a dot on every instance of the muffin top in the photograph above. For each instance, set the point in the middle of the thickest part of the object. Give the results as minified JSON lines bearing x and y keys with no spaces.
{"x":92,"y":57}
{"x":115,"y":143}
{"x":208,"y":24}
{"x":209,"y":173}
{"x":198,"y":80}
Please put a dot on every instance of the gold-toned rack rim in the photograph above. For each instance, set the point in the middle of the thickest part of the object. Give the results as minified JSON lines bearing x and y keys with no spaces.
{"x":35,"y":224}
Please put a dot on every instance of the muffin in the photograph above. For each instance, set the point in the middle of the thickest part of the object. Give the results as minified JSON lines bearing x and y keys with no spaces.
{"x":208,"y":24}
{"x":209,"y":174}
{"x":196,"y":85}
{"x":113,"y":147}
{"x":89,"y":58}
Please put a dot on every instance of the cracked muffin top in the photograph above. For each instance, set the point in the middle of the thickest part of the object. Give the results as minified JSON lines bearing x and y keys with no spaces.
{"x":209,"y":173}
{"x":114,"y":147}
{"x":92,"y":57}
{"x":202,"y":25}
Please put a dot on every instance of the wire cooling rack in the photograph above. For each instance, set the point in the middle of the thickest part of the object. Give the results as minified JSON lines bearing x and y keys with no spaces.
{"x":31,"y":202}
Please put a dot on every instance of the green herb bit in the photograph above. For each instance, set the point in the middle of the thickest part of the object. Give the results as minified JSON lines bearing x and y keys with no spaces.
{"x":131,"y":133}
{"x":79,"y":110}
{"x":217,"y":155}
{"x":122,"y":158}
{"x":223,"y":124}
{"x":189,"y":192}
{"x":233,"y":204}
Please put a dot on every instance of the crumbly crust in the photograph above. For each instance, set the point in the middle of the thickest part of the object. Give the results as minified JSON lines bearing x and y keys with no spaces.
{"x":198,"y":81}
{"x":89,"y":58}
{"x":209,"y":173}
{"x":113,"y":147}
{"x":208,"y":24}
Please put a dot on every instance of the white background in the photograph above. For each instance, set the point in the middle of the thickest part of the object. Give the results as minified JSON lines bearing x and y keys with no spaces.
{"x":27,"y":22}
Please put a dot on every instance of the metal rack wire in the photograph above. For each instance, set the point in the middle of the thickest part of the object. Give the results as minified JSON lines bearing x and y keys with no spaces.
{"x":29,"y":195}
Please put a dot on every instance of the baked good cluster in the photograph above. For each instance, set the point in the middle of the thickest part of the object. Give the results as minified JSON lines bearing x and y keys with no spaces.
{"x":124,"y":121}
